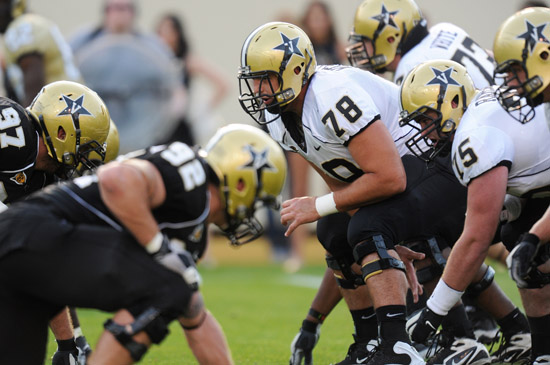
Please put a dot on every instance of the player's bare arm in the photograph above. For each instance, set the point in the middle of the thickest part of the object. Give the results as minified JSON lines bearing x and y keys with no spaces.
{"x":133,"y":206}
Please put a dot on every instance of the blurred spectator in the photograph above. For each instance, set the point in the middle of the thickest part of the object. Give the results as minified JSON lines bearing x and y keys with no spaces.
{"x":318,"y":23}
{"x":134,"y":73}
{"x":172,"y":32}
{"x":35,"y":52}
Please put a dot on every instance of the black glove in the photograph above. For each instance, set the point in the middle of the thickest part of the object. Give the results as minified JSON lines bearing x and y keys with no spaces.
{"x":65,"y":357}
{"x":304,"y":342}
{"x":523,"y":261}
{"x":172,"y":256}
{"x":423,"y":325}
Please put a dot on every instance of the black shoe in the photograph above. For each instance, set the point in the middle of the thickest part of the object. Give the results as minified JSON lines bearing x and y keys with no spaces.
{"x":461,"y":351}
{"x":516,"y":348}
{"x":395,"y":353}
{"x":84,"y":349}
{"x":359,"y":352}
{"x":484,"y":326}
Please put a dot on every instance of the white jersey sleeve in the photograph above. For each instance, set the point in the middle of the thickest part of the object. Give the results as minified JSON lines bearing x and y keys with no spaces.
{"x":476,"y":153}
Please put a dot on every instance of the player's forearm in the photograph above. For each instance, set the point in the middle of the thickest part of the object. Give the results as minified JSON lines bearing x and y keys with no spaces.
{"x":466,"y":257}
{"x":542,"y":228}
{"x":370,"y":188}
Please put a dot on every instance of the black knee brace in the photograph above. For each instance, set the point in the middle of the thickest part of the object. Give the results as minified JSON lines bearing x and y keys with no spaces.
{"x":431,"y":249}
{"x":474,"y":289}
{"x":350,"y":280}
{"x":149,"y":321}
{"x":385,"y":261}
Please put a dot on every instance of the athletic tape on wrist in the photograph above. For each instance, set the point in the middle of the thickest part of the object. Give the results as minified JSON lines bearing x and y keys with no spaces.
{"x":155,"y":243}
{"x":443,"y":298}
{"x":325,"y":205}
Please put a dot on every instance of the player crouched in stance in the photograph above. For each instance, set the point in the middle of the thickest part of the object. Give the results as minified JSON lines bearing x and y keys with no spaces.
{"x":141,"y":222}
{"x":436,"y":94}
{"x":493,"y":155}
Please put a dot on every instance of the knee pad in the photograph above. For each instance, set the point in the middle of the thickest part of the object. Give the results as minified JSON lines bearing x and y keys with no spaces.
{"x":149,"y":321}
{"x":385,"y":261}
{"x":431,"y":249}
{"x":349,"y":280}
{"x":474,"y":289}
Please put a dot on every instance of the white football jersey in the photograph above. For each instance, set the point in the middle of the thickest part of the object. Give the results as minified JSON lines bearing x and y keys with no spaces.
{"x":341,"y":102}
{"x":488,"y":137}
{"x":449,"y":42}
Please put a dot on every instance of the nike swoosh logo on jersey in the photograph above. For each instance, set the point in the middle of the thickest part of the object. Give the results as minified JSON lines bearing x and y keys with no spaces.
{"x":317,"y":148}
{"x":390,"y":315}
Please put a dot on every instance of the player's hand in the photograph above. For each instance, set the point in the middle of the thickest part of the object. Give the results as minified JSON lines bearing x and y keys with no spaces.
{"x":408,"y":257}
{"x":423,"y":325}
{"x":65,"y":358}
{"x":304,"y":342}
{"x":521,"y":261}
{"x":298,"y":211}
{"x":175,"y":258}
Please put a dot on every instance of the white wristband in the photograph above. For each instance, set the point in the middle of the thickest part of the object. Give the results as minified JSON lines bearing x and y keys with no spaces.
{"x":155,"y":243}
{"x":325,"y":205}
{"x":443,"y":298}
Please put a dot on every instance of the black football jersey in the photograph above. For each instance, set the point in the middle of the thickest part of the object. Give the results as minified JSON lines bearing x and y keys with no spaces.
{"x":182,"y":215}
{"x":18,"y":151}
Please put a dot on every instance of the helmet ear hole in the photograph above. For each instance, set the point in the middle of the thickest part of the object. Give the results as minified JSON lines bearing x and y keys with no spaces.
{"x":61,"y":134}
{"x":297,"y":70}
{"x":544,"y":55}
{"x":241,"y":184}
{"x":391,"y":39}
{"x":454,"y":102}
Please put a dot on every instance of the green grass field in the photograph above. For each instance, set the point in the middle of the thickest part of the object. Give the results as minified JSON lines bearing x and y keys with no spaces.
{"x":260,"y":308}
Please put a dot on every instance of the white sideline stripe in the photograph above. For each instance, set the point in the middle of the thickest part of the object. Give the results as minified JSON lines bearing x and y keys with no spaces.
{"x":304,"y":281}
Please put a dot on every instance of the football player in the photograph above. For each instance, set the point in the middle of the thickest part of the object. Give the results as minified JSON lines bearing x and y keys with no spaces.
{"x":494,"y":154}
{"x":64,"y":125}
{"x":521,"y":48}
{"x":431,"y":99}
{"x":35,"y":51}
{"x":332,"y":117}
{"x":141,"y":222}
{"x":392,"y":35}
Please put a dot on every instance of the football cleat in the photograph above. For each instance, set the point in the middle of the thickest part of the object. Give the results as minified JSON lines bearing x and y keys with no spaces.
{"x":84,"y":349}
{"x":395,"y":353}
{"x":461,"y":351}
{"x":542,"y":359}
{"x":513,"y":349}
{"x":484,"y":326}
{"x":359,"y":352}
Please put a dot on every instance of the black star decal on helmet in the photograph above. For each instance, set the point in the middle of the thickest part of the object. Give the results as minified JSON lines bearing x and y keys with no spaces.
{"x":443,"y":78}
{"x":74,"y":107}
{"x":289,"y":46}
{"x":258,"y":160}
{"x":386,"y":18}
{"x":533,"y":35}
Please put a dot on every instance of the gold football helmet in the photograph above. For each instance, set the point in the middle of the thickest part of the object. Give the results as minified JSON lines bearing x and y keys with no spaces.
{"x":434,"y":96}
{"x":380,"y":28}
{"x":251,"y":168}
{"x":18,"y":7}
{"x":275,"y":51}
{"x":73,"y":122}
{"x":522,"y":51}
